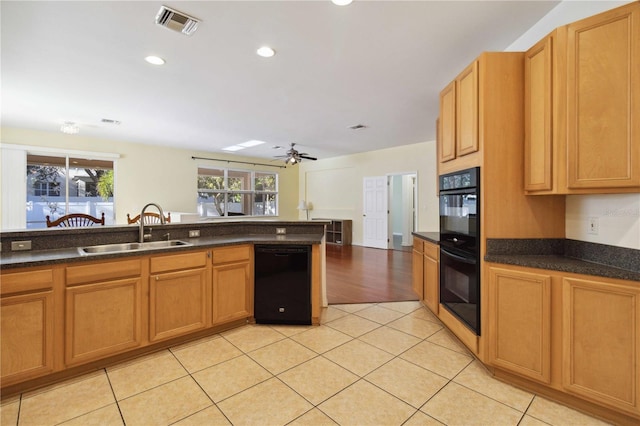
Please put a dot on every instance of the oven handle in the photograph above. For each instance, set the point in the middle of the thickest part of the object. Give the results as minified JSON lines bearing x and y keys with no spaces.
{"x":458,"y":257}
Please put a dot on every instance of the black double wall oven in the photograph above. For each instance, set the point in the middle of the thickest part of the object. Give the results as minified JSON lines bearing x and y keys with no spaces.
{"x":460,"y":245}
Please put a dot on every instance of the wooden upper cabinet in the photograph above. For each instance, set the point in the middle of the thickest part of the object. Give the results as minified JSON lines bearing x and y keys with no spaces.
{"x":447,"y":123}
{"x":467,"y":111}
{"x":601,"y":342}
{"x":603,"y":96}
{"x":538,"y":140}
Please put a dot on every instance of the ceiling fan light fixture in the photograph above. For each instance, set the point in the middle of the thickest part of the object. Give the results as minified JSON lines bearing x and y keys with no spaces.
{"x":70,"y":128}
{"x":341,"y":2}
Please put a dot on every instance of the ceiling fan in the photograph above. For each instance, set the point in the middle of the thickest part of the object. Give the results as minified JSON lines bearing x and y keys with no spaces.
{"x":292,"y":156}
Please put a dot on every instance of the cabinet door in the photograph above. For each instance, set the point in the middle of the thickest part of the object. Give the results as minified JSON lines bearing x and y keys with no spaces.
{"x":102,"y":319}
{"x":417,"y":273}
{"x":27,"y":336}
{"x":447,"y":146}
{"x":603,"y":71}
{"x":467,"y":111}
{"x":538,"y":112}
{"x":431,"y":282}
{"x":520,"y":322}
{"x":601,"y":342}
{"x":232,"y":295}
{"x":179,"y":303}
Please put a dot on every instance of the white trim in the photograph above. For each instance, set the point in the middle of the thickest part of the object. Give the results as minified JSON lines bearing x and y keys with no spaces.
{"x":39,"y":150}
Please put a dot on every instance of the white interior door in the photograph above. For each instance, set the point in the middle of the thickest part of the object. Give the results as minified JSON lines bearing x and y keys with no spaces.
{"x":375,"y":215}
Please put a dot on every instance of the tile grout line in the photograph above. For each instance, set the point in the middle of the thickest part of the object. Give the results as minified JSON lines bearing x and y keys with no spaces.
{"x":115,"y":398}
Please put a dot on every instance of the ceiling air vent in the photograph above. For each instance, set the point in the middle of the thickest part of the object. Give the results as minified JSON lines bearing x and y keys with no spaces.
{"x":176,"y":21}
{"x":357,"y":127}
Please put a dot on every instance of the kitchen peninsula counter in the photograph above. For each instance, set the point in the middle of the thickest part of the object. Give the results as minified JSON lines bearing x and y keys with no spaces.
{"x":19,"y":259}
{"x":56,"y":302}
{"x":53,"y":246}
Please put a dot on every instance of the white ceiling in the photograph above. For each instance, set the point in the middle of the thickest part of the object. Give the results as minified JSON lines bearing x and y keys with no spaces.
{"x":377,"y":63}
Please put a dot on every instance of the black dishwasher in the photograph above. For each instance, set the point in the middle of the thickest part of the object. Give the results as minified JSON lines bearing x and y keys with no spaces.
{"x":282,"y":292}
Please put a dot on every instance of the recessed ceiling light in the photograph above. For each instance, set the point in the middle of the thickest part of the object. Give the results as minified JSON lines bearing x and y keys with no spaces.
{"x":249,"y":144}
{"x":155,"y":60}
{"x":341,"y":2}
{"x":266,"y":52}
{"x":233,"y":148}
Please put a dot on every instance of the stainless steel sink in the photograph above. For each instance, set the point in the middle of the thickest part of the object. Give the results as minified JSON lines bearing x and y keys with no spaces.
{"x":127,"y":247}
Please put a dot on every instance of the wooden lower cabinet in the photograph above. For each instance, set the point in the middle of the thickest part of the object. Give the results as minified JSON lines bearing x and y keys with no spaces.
{"x":575,"y":337}
{"x":601,"y":342}
{"x":431,"y":278}
{"x":232,"y":283}
{"x":27,"y":325}
{"x":520,"y":322}
{"x":179,"y":295}
{"x":417,"y":271}
{"x":102,"y":316}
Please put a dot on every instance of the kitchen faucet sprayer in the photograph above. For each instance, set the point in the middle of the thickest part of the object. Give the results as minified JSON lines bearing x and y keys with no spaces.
{"x":142,"y":235}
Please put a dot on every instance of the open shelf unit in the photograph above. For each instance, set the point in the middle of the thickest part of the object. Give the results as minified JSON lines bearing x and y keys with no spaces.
{"x":338,"y":231}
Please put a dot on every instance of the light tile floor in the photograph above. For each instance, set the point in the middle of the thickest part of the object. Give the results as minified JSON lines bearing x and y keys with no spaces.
{"x":367,"y":364}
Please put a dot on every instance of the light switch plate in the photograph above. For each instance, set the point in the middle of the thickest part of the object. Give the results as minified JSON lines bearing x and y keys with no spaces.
{"x":281,"y":231}
{"x":194,"y":233}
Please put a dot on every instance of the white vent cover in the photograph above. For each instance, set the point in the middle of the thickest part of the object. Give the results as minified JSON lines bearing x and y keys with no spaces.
{"x":176,"y":21}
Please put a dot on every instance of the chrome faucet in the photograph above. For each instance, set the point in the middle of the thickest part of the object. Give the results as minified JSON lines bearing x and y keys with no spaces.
{"x":162,"y":220}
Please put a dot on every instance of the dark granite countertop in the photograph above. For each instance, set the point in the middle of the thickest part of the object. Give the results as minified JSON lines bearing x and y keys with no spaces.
{"x":20,"y":259}
{"x":567,"y":256}
{"x":433,"y":237}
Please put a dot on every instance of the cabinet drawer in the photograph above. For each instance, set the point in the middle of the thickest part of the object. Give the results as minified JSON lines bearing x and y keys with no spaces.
{"x":231,"y":254}
{"x":432,"y":251}
{"x":417,"y":245}
{"x":27,"y":281}
{"x":173,"y":262}
{"x":106,"y":271}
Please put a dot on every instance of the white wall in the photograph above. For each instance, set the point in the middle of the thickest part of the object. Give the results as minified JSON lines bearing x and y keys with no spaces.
{"x":618,"y":218}
{"x":619,"y":214}
{"x":145,"y":173}
{"x":334,"y":186}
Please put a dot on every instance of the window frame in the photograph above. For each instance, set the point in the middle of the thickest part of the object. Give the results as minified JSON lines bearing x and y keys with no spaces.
{"x":226,"y":191}
{"x":14,"y":162}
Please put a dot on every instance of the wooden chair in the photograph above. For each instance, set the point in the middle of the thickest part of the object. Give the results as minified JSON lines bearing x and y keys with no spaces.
{"x":149,"y":218}
{"x":75,"y":220}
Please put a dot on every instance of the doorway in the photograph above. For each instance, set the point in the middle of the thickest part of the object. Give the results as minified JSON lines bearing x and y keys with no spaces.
{"x":390,"y":211}
{"x":403,"y":220}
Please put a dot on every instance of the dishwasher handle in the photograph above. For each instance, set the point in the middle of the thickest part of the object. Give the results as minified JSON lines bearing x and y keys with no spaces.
{"x":279,"y":250}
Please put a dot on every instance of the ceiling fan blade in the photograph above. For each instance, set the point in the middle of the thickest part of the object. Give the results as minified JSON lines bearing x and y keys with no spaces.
{"x":306,"y":157}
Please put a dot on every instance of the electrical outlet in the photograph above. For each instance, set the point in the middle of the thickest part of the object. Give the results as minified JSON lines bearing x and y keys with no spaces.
{"x":281,"y":231}
{"x":594,"y":226}
{"x":194,"y":233}
{"x":20,"y":245}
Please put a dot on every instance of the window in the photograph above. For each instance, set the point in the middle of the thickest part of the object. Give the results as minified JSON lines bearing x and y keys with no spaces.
{"x":59,"y":185}
{"x":226,"y":192}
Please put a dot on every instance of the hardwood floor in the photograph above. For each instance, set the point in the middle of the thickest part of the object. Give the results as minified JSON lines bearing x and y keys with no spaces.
{"x":358,"y":274}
